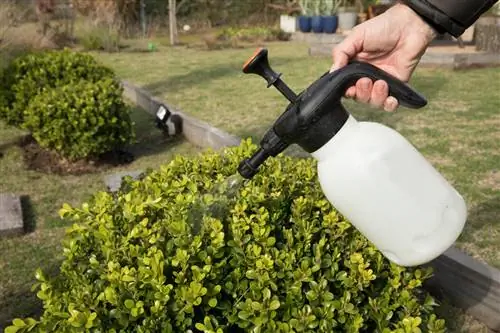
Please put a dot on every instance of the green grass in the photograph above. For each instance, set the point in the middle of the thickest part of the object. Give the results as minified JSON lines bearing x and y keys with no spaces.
{"x":21,"y":256}
{"x":457,"y":131}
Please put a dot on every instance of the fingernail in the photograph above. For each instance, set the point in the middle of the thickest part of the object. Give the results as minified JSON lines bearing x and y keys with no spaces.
{"x":381,"y":87}
{"x":390,"y":104}
{"x":365,"y":84}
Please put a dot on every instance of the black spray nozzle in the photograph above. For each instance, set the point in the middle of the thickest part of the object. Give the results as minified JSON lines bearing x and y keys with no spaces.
{"x":258,"y":64}
{"x":250,"y":166}
{"x":270,"y":146}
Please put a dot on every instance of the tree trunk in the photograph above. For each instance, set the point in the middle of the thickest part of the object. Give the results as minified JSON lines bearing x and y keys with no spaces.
{"x":172,"y":21}
{"x":487,"y":35}
{"x":44,"y":10}
{"x":143,"y":18}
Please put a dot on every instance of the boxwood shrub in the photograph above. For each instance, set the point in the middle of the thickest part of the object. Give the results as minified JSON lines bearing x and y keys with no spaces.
{"x":80,"y":120}
{"x":30,"y":74}
{"x":273,"y":256}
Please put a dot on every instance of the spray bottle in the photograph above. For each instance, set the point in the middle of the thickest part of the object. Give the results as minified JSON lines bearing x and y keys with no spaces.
{"x":369,"y":172}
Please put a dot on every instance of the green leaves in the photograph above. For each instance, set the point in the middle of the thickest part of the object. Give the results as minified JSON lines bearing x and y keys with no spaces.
{"x":274,"y":305}
{"x":136,"y":308}
{"x":19,"y":325}
{"x":69,"y":103}
{"x":212,"y":302}
{"x":75,"y":120}
{"x":34,"y":73}
{"x":129,"y":304}
{"x":277,"y":258}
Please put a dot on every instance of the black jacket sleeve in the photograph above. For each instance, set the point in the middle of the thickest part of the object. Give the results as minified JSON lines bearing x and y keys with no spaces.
{"x":451,"y":16}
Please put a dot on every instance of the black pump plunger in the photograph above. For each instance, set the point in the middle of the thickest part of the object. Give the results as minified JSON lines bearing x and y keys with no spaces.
{"x":315,"y":115}
{"x":259,"y":64}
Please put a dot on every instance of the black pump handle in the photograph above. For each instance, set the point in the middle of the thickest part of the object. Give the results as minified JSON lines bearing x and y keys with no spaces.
{"x":355,"y":70}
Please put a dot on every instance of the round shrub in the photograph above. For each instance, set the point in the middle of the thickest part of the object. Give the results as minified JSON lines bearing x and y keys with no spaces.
{"x":30,"y":74}
{"x":80,"y":120}
{"x":272,"y":257}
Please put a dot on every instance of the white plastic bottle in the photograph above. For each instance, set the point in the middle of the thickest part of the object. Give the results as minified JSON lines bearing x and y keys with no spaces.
{"x":390,"y":192}
{"x":369,"y":172}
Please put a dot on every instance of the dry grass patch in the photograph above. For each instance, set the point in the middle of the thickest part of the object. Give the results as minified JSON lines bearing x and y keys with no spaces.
{"x":440,"y":160}
{"x":19,"y":33}
{"x":491,"y":180}
{"x":451,"y":106}
{"x":479,"y":248}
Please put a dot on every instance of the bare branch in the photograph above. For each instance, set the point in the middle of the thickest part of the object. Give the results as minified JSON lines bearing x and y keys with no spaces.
{"x":180,"y":4}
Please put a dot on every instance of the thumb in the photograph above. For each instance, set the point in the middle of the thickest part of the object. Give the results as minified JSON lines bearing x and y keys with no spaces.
{"x":346,"y":50}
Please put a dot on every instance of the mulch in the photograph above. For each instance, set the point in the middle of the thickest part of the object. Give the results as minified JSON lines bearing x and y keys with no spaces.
{"x":46,"y":161}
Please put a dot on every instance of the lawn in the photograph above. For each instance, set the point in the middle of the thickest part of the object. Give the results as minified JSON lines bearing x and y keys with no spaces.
{"x":41,"y":248}
{"x":457,"y":131}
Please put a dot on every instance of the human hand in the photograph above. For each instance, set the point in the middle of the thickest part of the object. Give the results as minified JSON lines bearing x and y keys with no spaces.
{"x":393,"y":41}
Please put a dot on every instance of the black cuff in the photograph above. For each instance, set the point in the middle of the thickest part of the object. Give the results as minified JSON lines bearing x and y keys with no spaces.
{"x":435,"y":18}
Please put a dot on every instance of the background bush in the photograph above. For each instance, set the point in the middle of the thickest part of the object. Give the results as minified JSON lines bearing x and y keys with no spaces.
{"x":100,"y":39}
{"x":81,"y":119}
{"x":273,"y":257}
{"x":31,"y":74}
{"x":253,"y":34}
{"x":234,"y":35}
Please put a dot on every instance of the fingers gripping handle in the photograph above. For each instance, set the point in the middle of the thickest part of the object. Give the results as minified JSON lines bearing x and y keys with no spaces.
{"x":355,"y":70}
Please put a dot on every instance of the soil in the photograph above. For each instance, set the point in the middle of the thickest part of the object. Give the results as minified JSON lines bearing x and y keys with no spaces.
{"x":43,"y":160}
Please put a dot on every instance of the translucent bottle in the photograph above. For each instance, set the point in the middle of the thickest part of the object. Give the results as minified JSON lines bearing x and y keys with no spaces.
{"x":390,"y":192}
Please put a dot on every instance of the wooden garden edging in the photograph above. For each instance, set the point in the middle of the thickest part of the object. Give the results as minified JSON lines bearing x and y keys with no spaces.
{"x":466,"y":282}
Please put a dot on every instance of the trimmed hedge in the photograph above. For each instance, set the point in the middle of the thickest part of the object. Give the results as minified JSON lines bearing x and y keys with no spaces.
{"x":29,"y":75}
{"x":80,"y":120}
{"x":273,"y":256}
{"x":68,"y":101}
